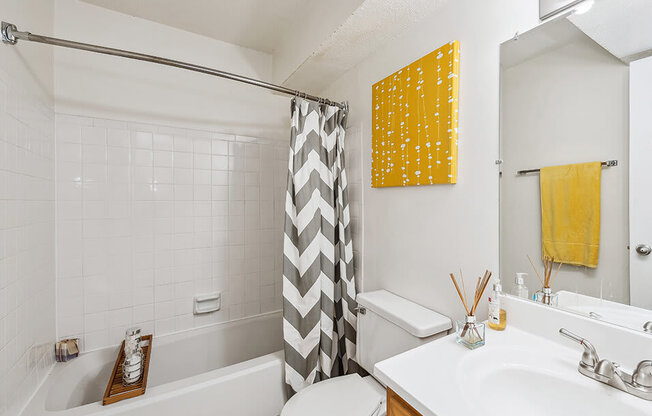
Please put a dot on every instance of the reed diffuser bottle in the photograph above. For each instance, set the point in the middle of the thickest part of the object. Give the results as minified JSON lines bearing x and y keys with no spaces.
{"x":545,"y":295}
{"x":469,"y":332}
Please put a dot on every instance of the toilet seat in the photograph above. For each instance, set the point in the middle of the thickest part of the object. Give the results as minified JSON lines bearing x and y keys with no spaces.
{"x":349,"y":395}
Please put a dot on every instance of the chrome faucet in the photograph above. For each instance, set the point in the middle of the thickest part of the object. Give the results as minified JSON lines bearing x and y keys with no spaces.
{"x":647,"y":327}
{"x":638,"y":384}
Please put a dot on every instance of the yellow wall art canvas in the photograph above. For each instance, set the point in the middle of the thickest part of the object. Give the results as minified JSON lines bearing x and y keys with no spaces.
{"x":414,"y":129}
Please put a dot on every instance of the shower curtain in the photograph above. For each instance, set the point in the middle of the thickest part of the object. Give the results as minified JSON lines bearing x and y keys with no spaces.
{"x":319,"y":316}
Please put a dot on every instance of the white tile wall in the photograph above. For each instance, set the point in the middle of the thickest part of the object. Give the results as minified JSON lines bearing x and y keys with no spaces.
{"x":27,"y":278}
{"x":149,"y":216}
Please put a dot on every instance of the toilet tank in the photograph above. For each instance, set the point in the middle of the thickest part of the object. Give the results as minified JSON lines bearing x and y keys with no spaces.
{"x":389,"y":325}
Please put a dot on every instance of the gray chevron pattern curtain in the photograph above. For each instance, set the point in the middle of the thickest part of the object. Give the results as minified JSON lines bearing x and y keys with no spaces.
{"x":319,"y":317}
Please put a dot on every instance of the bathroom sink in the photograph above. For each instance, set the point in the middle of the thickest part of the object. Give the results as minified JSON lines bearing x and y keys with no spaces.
{"x":538,"y":380}
{"x":515,"y":373}
{"x":515,"y":389}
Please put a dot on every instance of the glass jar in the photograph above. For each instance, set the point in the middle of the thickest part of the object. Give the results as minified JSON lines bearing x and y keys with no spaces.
{"x":132,"y":368}
{"x":470,"y":333}
{"x":132,"y":339}
{"x":133,"y":364}
{"x":546,"y":297}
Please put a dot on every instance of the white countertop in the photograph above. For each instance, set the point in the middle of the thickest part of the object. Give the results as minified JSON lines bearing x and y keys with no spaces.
{"x":510,"y":375}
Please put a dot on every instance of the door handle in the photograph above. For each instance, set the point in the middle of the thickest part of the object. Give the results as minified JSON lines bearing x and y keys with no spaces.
{"x":643,"y":249}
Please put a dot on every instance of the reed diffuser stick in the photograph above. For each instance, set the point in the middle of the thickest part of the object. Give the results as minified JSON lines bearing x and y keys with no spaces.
{"x":480,"y":291}
{"x":556,"y":273}
{"x":480,"y":287}
{"x":463,"y":287}
{"x":466,"y":308}
{"x":551,"y":263}
{"x":535,"y":269}
{"x":548,"y":264}
{"x":477,"y":286}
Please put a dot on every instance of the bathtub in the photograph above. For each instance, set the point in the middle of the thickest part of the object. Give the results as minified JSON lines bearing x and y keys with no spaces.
{"x":234,"y":368}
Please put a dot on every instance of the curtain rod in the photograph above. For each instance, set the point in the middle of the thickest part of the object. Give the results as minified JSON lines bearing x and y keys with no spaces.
{"x":11,"y":35}
{"x":606,"y":163}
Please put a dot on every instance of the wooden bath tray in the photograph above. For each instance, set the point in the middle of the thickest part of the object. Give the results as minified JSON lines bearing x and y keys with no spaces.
{"x":115,"y":391}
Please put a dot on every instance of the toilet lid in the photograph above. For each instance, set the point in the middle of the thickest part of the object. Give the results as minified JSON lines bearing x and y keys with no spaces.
{"x":343,"y":396}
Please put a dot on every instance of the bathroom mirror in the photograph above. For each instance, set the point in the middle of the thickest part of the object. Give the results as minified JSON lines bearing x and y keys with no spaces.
{"x":578,"y":89}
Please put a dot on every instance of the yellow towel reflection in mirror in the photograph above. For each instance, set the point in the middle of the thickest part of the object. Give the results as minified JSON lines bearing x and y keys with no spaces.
{"x":570,"y":213}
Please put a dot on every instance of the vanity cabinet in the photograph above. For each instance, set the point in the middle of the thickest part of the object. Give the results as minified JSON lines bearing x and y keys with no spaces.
{"x":396,"y":406}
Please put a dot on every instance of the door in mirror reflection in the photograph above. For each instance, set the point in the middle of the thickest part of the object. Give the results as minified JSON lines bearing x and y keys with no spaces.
{"x":640,"y":183}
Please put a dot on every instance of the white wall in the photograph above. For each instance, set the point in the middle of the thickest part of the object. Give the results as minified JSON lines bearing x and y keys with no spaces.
{"x":415,"y":236}
{"x":150,"y":216}
{"x":568,"y":104}
{"x":27,"y":276}
{"x":95,"y":85}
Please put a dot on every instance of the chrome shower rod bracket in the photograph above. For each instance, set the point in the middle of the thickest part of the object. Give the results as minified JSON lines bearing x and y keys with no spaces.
{"x":7,"y":33}
{"x":11,"y":35}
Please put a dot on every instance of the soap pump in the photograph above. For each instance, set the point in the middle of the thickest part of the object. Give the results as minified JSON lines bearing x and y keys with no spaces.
{"x":497,"y":316}
{"x":520,"y":289}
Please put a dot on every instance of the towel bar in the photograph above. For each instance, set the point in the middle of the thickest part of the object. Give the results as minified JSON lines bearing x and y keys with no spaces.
{"x":607,"y":163}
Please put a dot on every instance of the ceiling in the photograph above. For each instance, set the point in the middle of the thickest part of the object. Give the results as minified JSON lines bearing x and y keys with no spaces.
{"x":538,"y":41}
{"x":621,"y":27}
{"x":255,"y":24}
{"x":373,"y":24}
{"x":312,"y":42}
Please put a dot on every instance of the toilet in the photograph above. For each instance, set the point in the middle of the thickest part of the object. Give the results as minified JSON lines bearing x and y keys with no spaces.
{"x":387,"y":325}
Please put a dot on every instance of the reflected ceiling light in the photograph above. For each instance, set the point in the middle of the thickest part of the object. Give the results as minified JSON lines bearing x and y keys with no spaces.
{"x":584,"y":7}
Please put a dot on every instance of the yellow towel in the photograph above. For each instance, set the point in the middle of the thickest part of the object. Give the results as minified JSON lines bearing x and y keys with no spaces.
{"x":570,"y":213}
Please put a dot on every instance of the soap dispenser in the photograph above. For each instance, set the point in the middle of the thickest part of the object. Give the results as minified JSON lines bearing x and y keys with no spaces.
{"x":520,"y":289}
{"x":497,"y":316}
